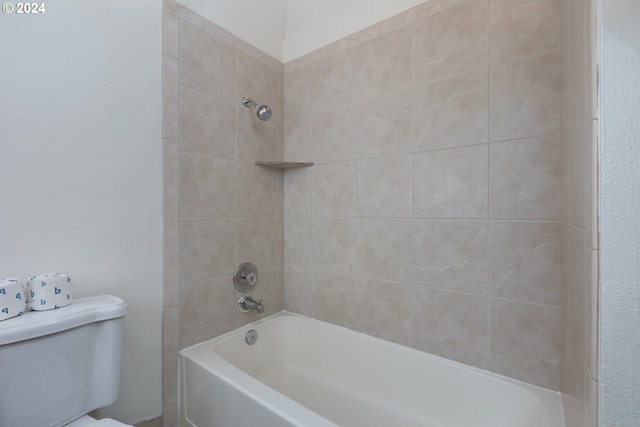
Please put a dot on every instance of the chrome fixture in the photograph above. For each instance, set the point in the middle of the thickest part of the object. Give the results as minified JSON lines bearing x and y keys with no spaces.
{"x":245,"y":277}
{"x":246,"y":304}
{"x":251,"y":337}
{"x":262,"y":111}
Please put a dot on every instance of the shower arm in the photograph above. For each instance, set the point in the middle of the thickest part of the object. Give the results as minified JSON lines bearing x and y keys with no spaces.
{"x":248,"y":101}
{"x":262,"y":111}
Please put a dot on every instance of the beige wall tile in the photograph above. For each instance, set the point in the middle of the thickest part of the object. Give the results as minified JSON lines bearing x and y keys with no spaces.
{"x":280,"y":119}
{"x":170,"y":409}
{"x":297,"y":289}
{"x":375,"y":67}
{"x":297,"y":232}
{"x":207,"y":310}
{"x":451,"y":183}
{"x":257,"y":190}
{"x":170,"y":160}
{"x":169,"y":6}
{"x":384,"y":187}
{"x":207,"y":187}
{"x":170,"y":202}
{"x":526,"y":179}
{"x":170,"y":35}
{"x":590,"y":318}
{"x":189,"y":16}
{"x":200,"y":59}
{"x":297,"y":102}
{"x":154,"y":422}
{"x":333,"y":242}
{"x":525,"y":97}
{"x":170,"y":369}
{"x":207,"y":125}
{"x":334,"y":135}
{"x":170,"y":118}
{"x":280,"y":240}
{"x":170,"y":76}
{"x":383,"y":125}
{"x":333,"y":189}
{"x":257,"y":140}
{"x":170,"y":327}
{"x":256,"y":79}
{"x":219,"y":33}
{"x":579,"y":199}
{"x":525,"y":342}
{"x":381,"y":309}
{"x":523,"y":27}
{"x":207,"y":248}
{"x":525,"y":261}
{"x":433,"y":6}
{"x":452,"y":112}
{"x":281,"y":286}
{"x":451,"y":325}
{"x":258,"y":241}
{"x":461,"y":34}
{"x":170,"y":246}
{"x":384,"y":248}
{"x":452,"y":255}
{"x":170,"y":285}
{"x":297,"y":192}
{"x":333,"y":298}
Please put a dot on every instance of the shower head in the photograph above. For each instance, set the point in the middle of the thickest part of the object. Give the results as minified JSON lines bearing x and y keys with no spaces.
{"x":262,"y":111}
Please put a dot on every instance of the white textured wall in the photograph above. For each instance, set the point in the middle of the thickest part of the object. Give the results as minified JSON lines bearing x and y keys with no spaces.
{"x":620,"y":175}
{"x":80,"y":166}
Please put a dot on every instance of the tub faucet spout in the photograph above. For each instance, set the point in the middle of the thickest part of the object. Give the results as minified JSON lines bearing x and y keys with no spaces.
{"x":247,"y":303}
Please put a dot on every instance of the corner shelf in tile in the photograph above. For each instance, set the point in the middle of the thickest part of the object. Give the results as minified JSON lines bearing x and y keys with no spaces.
{"x":284,"y":165}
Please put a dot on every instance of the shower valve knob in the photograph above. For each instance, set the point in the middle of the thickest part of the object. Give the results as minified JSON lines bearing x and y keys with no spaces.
{"x":250,"y":277}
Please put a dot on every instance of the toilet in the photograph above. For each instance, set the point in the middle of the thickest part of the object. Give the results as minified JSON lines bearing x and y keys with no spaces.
{"x":56,"y":366}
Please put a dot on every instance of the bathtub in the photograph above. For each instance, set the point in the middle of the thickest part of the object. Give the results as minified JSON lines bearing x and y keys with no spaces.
{"x":303,"y":372}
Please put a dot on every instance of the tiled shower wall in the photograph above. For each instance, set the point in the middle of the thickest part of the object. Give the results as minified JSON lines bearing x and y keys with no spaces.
{"x":432,"y":214}
{"x":580,"y":217}
{"x":219,"y":208}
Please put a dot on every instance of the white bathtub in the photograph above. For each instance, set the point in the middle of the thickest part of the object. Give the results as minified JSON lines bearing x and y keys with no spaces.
{"x":302,"y":372}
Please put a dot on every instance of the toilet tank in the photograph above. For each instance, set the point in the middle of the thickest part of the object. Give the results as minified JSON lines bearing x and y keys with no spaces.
{"x":58,"y":365}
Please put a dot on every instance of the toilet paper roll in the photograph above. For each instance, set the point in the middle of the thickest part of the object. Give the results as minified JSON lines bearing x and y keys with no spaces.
{"x":49,"y":291}
{"x":13,"y":300}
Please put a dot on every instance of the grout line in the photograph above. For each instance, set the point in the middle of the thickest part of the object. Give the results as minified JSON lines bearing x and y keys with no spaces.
{"x":489,"y":222}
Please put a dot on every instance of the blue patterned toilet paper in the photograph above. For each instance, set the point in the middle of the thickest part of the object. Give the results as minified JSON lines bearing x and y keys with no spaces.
{"x":49,"y":291}
{"x":13,"y":301}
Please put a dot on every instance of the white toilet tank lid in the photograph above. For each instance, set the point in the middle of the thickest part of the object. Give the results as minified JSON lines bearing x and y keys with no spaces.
{"x":81,"y":311}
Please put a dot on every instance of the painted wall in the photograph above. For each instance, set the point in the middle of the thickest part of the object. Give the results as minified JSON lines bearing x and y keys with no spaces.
{"x":262,"y":24}
{"x":312,"y":25}
{"x":620,"y":187}
{"x":80,"y":121}
{"x":288,"y":29}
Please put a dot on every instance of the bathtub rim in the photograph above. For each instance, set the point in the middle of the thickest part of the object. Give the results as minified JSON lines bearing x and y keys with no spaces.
{"x":246,"y":384}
